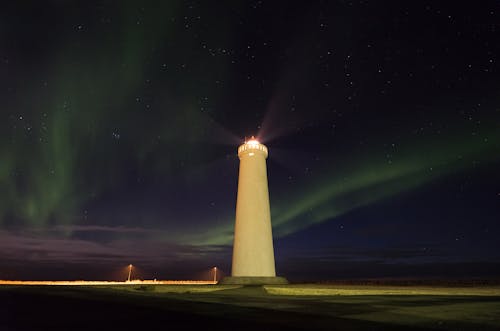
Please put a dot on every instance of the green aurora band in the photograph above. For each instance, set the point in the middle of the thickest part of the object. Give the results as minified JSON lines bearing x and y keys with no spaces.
{"x":365,"y":181}
{"x":48,"y":173}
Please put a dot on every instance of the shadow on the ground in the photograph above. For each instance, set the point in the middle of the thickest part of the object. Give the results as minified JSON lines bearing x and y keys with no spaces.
{"x":246,"y":308}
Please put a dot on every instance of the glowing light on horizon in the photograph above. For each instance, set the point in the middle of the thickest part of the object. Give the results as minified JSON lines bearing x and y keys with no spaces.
{"x":106,"y":282}
{"x":128,"y":281}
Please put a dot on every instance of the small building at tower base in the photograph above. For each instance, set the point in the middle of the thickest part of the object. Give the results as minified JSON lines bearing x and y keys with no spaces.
{"x":253,"y":281}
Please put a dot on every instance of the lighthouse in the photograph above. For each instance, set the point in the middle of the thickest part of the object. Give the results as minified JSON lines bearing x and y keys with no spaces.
{"x":253,"y":252}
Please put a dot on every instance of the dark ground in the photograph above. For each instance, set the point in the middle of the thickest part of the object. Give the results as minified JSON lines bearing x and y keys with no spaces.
{"x":249,"y":308}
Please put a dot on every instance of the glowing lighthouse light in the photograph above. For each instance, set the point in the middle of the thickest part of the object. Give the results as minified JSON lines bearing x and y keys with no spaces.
{"x":253,"y":252}
{"x":252,"y":142}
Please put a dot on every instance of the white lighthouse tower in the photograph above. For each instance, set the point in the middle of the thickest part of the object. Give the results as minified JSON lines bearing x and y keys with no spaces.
{"x":253,"y":252}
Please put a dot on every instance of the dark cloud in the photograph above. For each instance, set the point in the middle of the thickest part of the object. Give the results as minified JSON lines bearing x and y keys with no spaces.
{"x":34,"y":256}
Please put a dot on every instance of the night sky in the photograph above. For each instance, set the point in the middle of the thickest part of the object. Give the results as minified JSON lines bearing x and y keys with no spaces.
{"x":120,"y":122}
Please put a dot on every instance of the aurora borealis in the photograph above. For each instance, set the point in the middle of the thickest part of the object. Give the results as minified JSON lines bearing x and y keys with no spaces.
{"x":119,"y":126}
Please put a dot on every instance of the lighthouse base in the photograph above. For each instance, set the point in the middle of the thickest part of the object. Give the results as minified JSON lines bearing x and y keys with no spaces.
{"x":239,"y":280}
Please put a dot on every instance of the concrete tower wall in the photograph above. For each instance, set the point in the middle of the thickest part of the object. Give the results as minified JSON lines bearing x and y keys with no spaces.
{"x":253,"y":253}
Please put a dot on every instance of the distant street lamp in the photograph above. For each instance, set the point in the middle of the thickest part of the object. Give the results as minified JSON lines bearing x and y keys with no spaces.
{"x":129,"y":272}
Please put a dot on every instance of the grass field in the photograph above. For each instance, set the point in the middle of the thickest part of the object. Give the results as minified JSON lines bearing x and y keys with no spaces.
{"x":311,"y":289}
{"x":218,"y":307}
